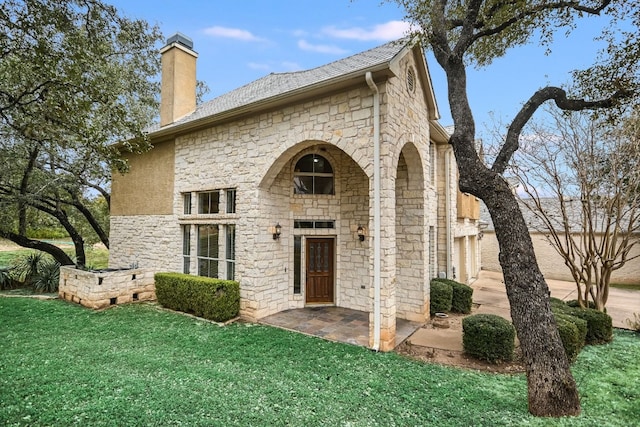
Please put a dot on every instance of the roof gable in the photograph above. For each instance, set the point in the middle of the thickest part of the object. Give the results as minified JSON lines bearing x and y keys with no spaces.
{"x":276,"y":87}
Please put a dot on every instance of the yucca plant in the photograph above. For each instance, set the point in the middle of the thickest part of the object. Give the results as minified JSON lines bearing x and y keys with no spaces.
{"x":38,"y":271}
{"x":6,"y":279}
{"x":26,"y":268}
{"x":48,"y":277}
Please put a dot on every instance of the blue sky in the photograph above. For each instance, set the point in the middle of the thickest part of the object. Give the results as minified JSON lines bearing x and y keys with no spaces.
{"x":239,"y":41}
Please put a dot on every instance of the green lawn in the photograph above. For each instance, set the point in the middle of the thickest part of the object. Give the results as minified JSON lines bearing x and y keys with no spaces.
{"x":96,"y":258}
{"x":137,"y":365}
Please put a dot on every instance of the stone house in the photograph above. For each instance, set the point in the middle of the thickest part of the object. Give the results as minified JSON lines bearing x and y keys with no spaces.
{"x":334,"y":186}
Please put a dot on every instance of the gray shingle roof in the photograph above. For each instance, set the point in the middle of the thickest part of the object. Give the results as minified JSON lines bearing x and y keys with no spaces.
{"x":279,"y":84}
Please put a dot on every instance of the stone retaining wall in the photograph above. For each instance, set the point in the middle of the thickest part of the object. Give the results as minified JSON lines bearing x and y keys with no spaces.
{"x":100,"y":289}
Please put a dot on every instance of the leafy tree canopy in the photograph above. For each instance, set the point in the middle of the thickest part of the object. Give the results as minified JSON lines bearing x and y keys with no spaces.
{"x":76,"y":77}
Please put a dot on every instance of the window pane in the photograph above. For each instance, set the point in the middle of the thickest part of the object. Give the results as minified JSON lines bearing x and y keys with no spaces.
{"x":323,"y":185}
{"x":186,"y":265}
{"x":203,"y":268}
{"x":231,"y":242}
{"x":231,"y":201}
{"x":303,"y":185}
{"x":324,"y":224}
{"x":213,"y":241}
{"x":208,"y":241}
{"x":321,"y":165}
{"x":213,"y":268}
{"x":305,"y":164}
{"x":231,"y":270}
{"x":186,"y":240}
{"x":186,"y":201}
{"x":209,"y":202}
{"x":297,"y":263}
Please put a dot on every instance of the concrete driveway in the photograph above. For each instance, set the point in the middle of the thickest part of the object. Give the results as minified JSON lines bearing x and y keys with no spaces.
{"x":489,"y":292}
{"x":490,"y":295}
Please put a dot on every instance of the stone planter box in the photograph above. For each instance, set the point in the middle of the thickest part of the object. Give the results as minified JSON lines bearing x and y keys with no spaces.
{"x":103,"y":288}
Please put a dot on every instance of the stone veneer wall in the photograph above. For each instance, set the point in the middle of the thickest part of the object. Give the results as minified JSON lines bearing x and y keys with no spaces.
{"x":254,"y":155}
{"x":147,"y":241}
{"x":100,"y":289}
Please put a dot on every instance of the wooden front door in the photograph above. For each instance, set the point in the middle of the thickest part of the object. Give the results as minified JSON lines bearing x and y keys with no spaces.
{"x":320,"y":270}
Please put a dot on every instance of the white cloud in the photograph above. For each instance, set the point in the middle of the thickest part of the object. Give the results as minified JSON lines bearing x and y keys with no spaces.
{"x":320,"y":48}
{"x":232,"y":33}
{"x":391,"y":30}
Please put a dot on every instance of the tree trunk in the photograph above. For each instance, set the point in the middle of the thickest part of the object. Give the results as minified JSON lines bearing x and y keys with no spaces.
{"x":58,"y":254}
{"x":551,"y":388}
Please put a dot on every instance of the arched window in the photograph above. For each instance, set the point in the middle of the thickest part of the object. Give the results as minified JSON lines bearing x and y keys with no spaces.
{"x":313,"y":175}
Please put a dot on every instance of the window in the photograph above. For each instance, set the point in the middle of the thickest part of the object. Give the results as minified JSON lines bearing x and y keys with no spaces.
{"x":313,"y":175}
{"x":411,"y":80}
{"x":231,"y":200}
{"x":297,"y":263}
{"x":314,"y":224}
{"x":432,"y":162}
{"x":186,"y":249}
{"x":209,"y":202}
{"x":208,"y":250}
{"x":231,"y":251}
{"x":186,"y":202}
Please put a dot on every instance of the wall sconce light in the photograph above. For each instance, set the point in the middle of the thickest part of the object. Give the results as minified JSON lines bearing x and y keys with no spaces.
{"x":480,"y":235}
{"x":360,"y":233}
{"x":277,"y":230}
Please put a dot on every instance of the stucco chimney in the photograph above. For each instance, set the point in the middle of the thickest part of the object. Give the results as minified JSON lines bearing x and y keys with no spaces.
{"x":178,"y":90}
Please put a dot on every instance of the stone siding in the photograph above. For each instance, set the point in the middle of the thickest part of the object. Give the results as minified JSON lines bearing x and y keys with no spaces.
{"x":101,"y":289}
{"x":255,"y":155}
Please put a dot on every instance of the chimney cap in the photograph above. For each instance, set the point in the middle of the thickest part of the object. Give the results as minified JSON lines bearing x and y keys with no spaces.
{"x":181,"y":39}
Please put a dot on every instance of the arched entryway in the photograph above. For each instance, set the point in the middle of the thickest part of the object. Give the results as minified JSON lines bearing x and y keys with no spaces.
{"x":411,"y":301}
{"x":319,"y":195}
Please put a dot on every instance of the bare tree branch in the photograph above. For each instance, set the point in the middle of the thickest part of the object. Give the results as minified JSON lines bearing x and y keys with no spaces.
{"x":548,"y":93}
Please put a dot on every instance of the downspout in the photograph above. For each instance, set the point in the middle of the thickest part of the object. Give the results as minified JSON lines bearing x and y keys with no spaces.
{"x":447,"y":207}
{"x":376,"y":212}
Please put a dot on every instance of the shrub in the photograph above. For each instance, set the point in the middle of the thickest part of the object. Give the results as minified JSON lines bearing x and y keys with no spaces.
{"x":441,"y":296}
{"x":556,"y":302}
{"x":213,"y":299}
{"x":462,"y":296}
{"x":6,"y":279}
{"x":599,"y":324}
{"x":488,"y":337}
{"x":635,"y":323}
{"x":37,"y":270}
{"x":573,"y":332}
{"x":48,"y":278}
{"x":575,"y":304}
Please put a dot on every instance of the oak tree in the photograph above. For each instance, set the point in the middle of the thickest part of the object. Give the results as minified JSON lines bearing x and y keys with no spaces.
{"x":461,"y":33}
{"x":77,"y":76}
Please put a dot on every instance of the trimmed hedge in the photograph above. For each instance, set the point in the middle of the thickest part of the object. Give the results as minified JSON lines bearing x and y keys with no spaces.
{"x":573,"y":332}
{"x":441,"y":296}
{"x":462,"y":296}
{"x":213,"y":299}
{"x":599,"y":324}
{"x":488,"y":337}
